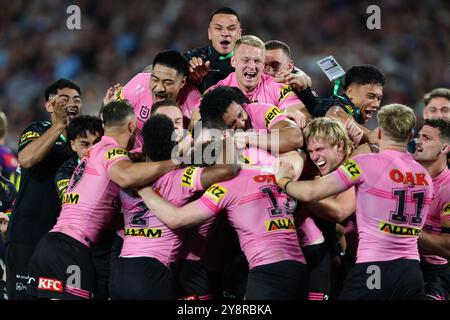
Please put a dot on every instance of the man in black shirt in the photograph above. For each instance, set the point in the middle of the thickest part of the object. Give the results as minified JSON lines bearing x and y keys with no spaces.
{"x":208,"y":65}
{"x":41,"y":152}
{"x":7,"y":197}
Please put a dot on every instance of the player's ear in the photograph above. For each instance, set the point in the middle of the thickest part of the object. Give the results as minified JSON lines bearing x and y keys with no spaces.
{"x":291,"y":65}
{"x":445,"y":148}
{"x":233,"y":60}
{"x":183,"y":82}
{"x":411,"y":135}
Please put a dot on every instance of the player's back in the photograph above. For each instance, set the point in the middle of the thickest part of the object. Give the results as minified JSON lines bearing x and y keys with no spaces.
{"x":91,"y":198}
{"x":145,"y":234}
{"x":261,"y":214}
{"x":394,"y":194}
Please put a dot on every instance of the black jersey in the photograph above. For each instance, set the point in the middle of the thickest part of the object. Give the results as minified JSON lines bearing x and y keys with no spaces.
{"x":64,"y":174}
{"x":220,"y":66}
{"x":37,"y":205}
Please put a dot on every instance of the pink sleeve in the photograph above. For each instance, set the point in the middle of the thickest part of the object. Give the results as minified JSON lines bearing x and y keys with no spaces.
{"x":135,"y":88}
{"x":219,"y":196}
{"x":112,"y":155}
{"x":191,"y":101}
{"x":264,"y":115}
{"x":349,"y":174}
{"x":286,"y":96}
{"x":191,"y":179}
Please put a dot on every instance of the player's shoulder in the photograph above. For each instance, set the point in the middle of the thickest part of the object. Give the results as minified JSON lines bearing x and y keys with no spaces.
{"x":200,"y":52}
{"x":137,"y":86}
{"x":38,"y":126}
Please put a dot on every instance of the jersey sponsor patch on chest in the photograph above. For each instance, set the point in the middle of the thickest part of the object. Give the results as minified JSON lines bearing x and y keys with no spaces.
{"x":351,"y":169}
{"x":216,"y":192}
{"x":115,"y":153}
{"x":70,"y":198}
{"x":396,"y":230}
{"x":146,"y":232}
{"x":280,"y":224}
{"x":271,"y":114}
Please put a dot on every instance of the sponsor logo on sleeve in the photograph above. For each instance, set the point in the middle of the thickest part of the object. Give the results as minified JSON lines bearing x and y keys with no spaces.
{"x":115,"y":153}
{"x":396,"y":230}
{"x":351,"y":169}
{"x":50,"y":285}
{"x":146,"y":232}
{"x":187,"y":179}
{"x":280,"y":224}
{"x":271,"y":114}
{"x":285,"y":91}
{"x":28,"y":136}
{"x":216,"y":192}
{"x":62,"y":184}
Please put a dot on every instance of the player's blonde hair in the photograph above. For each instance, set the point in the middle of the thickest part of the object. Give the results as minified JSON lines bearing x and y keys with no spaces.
{"x":250,"y":40}
{"x":397,"y":121}
{"x":329,"y":130}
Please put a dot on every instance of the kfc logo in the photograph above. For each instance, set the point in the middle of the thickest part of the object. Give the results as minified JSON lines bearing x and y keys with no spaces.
{"x":50,"y":285}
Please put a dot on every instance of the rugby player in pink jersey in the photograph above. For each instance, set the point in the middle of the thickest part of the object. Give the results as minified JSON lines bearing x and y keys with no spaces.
{"x":228,"y":105}
{"x":150,"y":247}
{"x":249,"y":76}
{"x":167,"y":81}
{"x":432,"y":149}
{"x":88,"y":207}
{"x":266,"y":231}
{"x":328,"y":146}
{"x":393,"y":197}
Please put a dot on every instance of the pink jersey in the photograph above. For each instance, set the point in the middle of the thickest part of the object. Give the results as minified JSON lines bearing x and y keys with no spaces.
{"x":267,"y":91}
{"x":145,"y":234}
{"x":138,"y":93}
{"x":91,"y":199}
{"x":261,"y":215}
{"x":264,"y":115}
{"x":393,"y":198}
{"x":440,"y":211}
{"x":307,"y":231}
{"x":258,"y":157}
{"x":194,"y":245}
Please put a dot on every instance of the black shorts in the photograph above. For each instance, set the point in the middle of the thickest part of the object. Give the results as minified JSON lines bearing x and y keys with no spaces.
{"x":437,"y":281}
{"x":399,"y":279}
{"x":17,"y":262}
{"x":319,"y":266}
{"x":61,"y":268}
{"x":101,"y":258}
{"x":193,"y":280}
{"x":141,"y":278}
{"x":284,"y":280}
